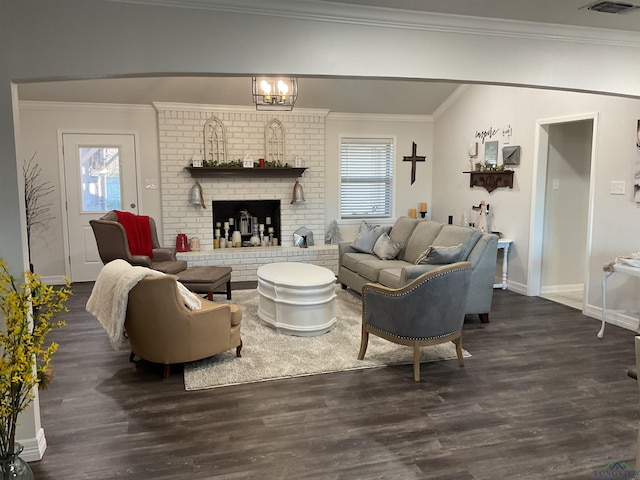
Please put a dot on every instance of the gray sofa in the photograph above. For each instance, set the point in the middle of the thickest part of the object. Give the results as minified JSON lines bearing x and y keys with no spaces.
{"x":357,"y":268}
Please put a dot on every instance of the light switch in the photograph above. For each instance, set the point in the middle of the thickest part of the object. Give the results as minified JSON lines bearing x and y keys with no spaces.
{"x":556,"y":184}
{"x":618,"y":187}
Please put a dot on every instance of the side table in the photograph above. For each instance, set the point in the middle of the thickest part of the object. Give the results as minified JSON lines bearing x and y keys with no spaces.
{"x":504,"y":244}
{"x":609,"y":270}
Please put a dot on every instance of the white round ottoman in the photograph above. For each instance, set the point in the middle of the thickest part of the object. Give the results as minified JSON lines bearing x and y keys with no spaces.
{"x":297,"y":298}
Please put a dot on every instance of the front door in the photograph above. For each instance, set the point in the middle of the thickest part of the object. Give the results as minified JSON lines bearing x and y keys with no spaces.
{"x":100,"y":175}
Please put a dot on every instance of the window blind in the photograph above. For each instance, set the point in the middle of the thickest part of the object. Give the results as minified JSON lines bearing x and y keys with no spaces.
{"x":366,"y":170}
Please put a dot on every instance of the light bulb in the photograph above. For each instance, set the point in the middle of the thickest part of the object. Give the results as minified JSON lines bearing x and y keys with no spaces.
{"x":283,"y":88}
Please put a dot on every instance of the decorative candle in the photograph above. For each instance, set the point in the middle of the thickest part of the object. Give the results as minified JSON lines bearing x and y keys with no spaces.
{"x":218,"y":225}
{"x":268,"y":221}
{"x":423,"y":207}
{"x":226,"y":225}
{"x":230,"y":220}
{"x":261,"y":227}
{"x":217,"y":232}
{"x":412,"y":213}
{"x":270,"y":230}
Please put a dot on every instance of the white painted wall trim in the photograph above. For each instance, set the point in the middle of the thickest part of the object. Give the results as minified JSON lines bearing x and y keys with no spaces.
{"x":614,"y":318}
{"x":83,"y":106}
{"x":451,"y":99}
{"x":407,"y":19}
{"x":562,"y":288}
{"x":196,"y":107}
{"x":379,"y":117}
{"x":54,"y":280}
{"x":539,"y":179}
{"x":517,"y":287}
{"x":34,"y":448}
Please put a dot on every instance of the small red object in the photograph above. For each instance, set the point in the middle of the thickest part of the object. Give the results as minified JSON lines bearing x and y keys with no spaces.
{"x":261,"y":162}
{"x":182,"y":243}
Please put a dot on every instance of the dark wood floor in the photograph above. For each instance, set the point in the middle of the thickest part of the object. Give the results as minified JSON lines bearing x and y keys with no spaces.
{"x":541,"y":398}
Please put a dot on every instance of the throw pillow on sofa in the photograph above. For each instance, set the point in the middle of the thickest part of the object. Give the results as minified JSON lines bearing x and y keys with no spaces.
{"x":436,"y":255}
{"x":367,"y":236}
{"x":385,"y":248}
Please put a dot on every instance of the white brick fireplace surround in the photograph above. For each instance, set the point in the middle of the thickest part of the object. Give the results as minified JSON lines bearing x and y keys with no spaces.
{"x":181,"y":138}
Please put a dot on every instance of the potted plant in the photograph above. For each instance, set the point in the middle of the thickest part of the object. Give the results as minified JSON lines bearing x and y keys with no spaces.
{"x":28,"y":309}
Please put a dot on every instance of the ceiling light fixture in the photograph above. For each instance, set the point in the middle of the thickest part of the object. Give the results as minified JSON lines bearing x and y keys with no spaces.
{"x":274,"y":93}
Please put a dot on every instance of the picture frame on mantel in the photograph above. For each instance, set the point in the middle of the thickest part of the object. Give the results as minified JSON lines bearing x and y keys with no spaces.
{"x":491,"y":153}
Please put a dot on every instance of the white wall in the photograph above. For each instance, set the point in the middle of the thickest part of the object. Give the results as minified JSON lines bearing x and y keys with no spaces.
{"x":40,"y":124}
{"x":405,"y":130}
{"x":615,"y":225}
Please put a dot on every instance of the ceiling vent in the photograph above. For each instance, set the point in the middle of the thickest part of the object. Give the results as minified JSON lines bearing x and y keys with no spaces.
{"x":611,"y":7}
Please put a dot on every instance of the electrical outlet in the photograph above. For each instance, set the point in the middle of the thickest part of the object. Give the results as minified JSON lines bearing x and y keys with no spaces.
{"x":618,"y":187}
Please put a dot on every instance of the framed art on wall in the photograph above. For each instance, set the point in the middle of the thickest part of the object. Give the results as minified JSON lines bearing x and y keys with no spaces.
{"x":511,"y":155}
{"x":491,"y":153}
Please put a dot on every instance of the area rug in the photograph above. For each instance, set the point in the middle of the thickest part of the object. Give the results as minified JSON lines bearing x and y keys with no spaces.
{"x":267,"y":355}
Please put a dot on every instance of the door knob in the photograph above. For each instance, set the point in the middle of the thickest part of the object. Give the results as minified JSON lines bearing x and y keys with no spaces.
{"x":133,"y":205}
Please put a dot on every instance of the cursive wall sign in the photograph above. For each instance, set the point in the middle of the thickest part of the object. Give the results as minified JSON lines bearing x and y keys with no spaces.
{"x":489,"y":133}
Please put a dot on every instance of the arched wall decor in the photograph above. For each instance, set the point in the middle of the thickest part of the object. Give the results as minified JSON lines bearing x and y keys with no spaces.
{"x":215,"y":141}
{"x":274,"y":142}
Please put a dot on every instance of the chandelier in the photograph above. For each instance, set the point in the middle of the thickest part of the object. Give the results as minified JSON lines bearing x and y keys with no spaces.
{"x":274,"y":93}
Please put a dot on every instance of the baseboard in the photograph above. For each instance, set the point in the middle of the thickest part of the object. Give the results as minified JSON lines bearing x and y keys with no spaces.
{"x":54,"y":280}
{"x":517,"y":287}
{"x":561,"y":288}
{"x":614,"y":318}
{"x":34,"y":448}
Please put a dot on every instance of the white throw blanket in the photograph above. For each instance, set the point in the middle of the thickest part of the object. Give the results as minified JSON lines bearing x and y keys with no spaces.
{"x":108,"y":300}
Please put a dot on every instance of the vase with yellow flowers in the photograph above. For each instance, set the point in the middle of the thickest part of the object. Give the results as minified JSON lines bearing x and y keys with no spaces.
{"x":28,"y":309}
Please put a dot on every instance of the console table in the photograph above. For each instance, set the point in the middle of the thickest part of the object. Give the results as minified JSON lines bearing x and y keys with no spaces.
{"x":504,"y":244}
{"x":609,"y":270}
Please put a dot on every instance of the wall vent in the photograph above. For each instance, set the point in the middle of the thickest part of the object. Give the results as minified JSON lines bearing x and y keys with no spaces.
{"x":611,"y":7}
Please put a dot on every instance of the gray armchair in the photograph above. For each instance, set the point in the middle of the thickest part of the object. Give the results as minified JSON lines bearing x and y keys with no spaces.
{"x":111,"y":239}
{"x":428,"y":311}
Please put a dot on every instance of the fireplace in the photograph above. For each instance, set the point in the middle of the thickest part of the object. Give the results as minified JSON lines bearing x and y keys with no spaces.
{"x":246,"y":216}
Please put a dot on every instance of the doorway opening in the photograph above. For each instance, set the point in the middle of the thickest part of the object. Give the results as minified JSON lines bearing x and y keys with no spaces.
{"x":562,"y":202}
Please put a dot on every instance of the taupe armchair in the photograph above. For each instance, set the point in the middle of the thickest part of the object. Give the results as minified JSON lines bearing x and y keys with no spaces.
{"x":428,"y":311}
{"x":112,"y":244}
{"x":161,"y":329}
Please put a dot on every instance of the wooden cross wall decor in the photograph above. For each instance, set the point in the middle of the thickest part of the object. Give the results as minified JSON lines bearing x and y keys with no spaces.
{"x":413,"y":159}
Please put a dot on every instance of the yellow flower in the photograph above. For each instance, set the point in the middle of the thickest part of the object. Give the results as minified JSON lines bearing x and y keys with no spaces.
{"x":28,"y":310}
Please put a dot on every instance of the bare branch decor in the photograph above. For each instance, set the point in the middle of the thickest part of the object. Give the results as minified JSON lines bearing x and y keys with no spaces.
{"x":35,"y":190}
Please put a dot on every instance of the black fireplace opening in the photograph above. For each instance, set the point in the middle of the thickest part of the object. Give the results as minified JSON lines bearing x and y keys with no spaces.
{"x":246,"y":216}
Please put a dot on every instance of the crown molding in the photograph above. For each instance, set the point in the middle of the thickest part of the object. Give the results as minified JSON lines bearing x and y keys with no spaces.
{"x":198,"y":107}
{"x":407,"y":19}
{"x":80,"y":106}
{"x":379,"y":117}
{"x":450,"y":100}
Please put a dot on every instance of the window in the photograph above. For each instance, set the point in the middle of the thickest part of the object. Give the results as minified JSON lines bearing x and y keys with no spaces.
{"x":365,"y":177}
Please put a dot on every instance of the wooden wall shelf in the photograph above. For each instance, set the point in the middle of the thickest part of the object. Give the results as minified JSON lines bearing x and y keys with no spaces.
{"x":282,"y":172}
{"x":491,"y":180}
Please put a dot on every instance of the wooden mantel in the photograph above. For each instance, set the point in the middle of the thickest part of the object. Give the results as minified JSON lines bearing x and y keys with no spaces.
{"x":491,"y":180}
{"x":279,"y":172}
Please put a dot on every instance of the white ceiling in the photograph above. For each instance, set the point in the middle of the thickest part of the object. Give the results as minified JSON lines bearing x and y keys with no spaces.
{"x":335,"y":94}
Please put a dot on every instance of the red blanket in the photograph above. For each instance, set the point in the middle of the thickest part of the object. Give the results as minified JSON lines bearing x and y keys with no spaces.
{"x":138,"y":233}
